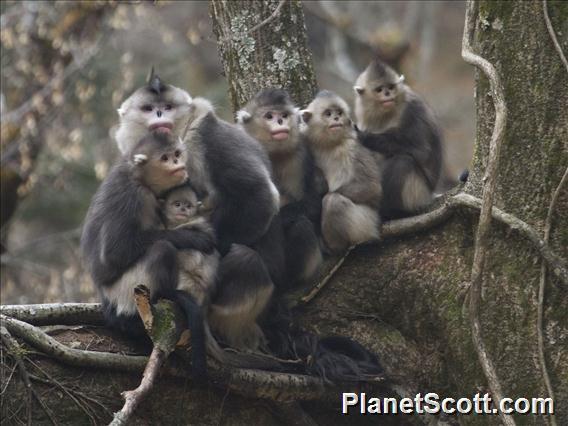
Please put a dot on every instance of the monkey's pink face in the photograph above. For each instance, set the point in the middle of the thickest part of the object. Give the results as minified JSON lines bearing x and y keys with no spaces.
{"x":148,"y":112}
{"x":277,"y":124}
{"x":166,"y":170}
{"x":385,"y":95}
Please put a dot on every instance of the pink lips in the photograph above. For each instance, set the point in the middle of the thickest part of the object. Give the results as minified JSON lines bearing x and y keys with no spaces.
{"x":180,"y":171}
{"x":281,"y":135}
{"x":387,"y":103}
{"x":162,"y":127}
{"x":335,"y":126}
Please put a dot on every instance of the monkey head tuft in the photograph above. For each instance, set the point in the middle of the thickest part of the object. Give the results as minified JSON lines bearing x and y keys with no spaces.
{"x":327,"y":121}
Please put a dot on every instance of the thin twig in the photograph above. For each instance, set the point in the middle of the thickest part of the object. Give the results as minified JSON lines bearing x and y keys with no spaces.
{"x":133,"y":398}
{"x":316,"y":289}
{"x":490,"y":181}
{"x":14,"y":350}
{"x":77,"y":64}
{"x":553,"y":34}
{"x":270,"y":18}
{"x":541,"y":288}
{"x":83,"y":407}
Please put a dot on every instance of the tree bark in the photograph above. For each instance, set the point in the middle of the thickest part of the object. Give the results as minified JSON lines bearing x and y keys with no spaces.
{"x":263,"y":44}
{"x":404,"y":298}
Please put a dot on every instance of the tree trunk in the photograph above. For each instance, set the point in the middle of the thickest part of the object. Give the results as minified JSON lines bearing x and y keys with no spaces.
{"x":405,"y":298}
{"x":263,"y":44}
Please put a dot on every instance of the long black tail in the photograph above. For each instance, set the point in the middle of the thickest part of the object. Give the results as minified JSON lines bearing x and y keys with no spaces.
{"x":196,"y":324}
{"x":335,"y":359}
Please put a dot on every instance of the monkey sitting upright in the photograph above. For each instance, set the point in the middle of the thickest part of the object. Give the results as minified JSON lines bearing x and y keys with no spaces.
{"x":350,"y":207}
{"x":395,"y":123}
{"x":271,"y":118}
{"x":229,"y":165}
{"x":124,"y":243}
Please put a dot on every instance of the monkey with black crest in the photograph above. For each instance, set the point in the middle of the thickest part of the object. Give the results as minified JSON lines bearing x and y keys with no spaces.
{"x":397,"y":125}
{"x":351,"y":177}
{"x":271,"y":118}
{"x":124,"y":243}
{"x":229,"y":167}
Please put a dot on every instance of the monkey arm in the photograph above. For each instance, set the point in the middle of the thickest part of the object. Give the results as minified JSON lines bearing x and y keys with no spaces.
{"x":367,"y":193}
{"x":388,"y":143}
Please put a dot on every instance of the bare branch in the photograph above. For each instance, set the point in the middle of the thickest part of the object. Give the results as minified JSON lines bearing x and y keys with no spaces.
{"x":56,"y":313}
{"x":270,"y":18}
{"x":490,"y":181}
{"x":316,"y":289}
{"x":79,"y":62}
{"x":134,"y":397}
{"x":80,"y":358}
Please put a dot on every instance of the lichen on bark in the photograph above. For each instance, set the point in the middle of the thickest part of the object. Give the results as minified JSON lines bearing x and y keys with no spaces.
{"x":274,"y":54}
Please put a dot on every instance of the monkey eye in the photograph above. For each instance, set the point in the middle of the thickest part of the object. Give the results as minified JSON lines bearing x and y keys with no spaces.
{"x":147,"y":108}
{"x":177,"y":204}
{"x":268,"y":116}
{"x":164,"y":157}
{"x":284,"y":115}
{"x":391,"y":86}
{"x":327,"y":113}
{"x":177,"y":153}
{"x":379,"y":89}
{"x":168,"y":107}
{"x":339,"y":112}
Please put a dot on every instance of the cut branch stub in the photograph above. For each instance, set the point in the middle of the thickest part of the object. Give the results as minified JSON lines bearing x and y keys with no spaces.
{"x":163,"y":321}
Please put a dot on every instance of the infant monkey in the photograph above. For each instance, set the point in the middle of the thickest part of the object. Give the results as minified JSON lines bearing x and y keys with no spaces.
{"x":182,"y":209}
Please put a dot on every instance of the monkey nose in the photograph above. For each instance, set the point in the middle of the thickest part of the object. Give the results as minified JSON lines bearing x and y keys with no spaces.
{"x":280,"y":121}
{"x":175,"y":161}
{"x":159,"y":113}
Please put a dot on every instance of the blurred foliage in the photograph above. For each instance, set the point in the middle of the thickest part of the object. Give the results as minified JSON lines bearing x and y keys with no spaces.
{"x":67,"y":65}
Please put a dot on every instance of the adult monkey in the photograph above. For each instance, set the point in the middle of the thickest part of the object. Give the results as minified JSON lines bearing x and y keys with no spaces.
{"x":231,"y":169}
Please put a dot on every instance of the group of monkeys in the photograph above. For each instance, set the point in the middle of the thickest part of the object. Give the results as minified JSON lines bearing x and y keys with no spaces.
{"x":223,"y":218}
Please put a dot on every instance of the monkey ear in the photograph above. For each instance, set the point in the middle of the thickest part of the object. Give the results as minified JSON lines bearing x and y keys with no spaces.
{"x":400,"y":79}
{"x":243,"y":116}
{"x":306,"y":115}
{"x":140,"y":159}
{"x":359,"y":90}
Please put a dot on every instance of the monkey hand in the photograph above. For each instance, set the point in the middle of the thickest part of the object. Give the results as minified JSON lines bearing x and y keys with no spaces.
{"x":195,"y":239}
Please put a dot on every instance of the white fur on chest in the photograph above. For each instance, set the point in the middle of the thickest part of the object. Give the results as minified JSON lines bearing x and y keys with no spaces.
{"x":337,"y":164}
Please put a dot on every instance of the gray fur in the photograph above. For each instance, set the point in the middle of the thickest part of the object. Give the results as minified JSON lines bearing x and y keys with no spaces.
{"x":272,"y":119}
{"x":404,"y":136}
{"x":232,"y":172}
{"x":352,"y":178}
